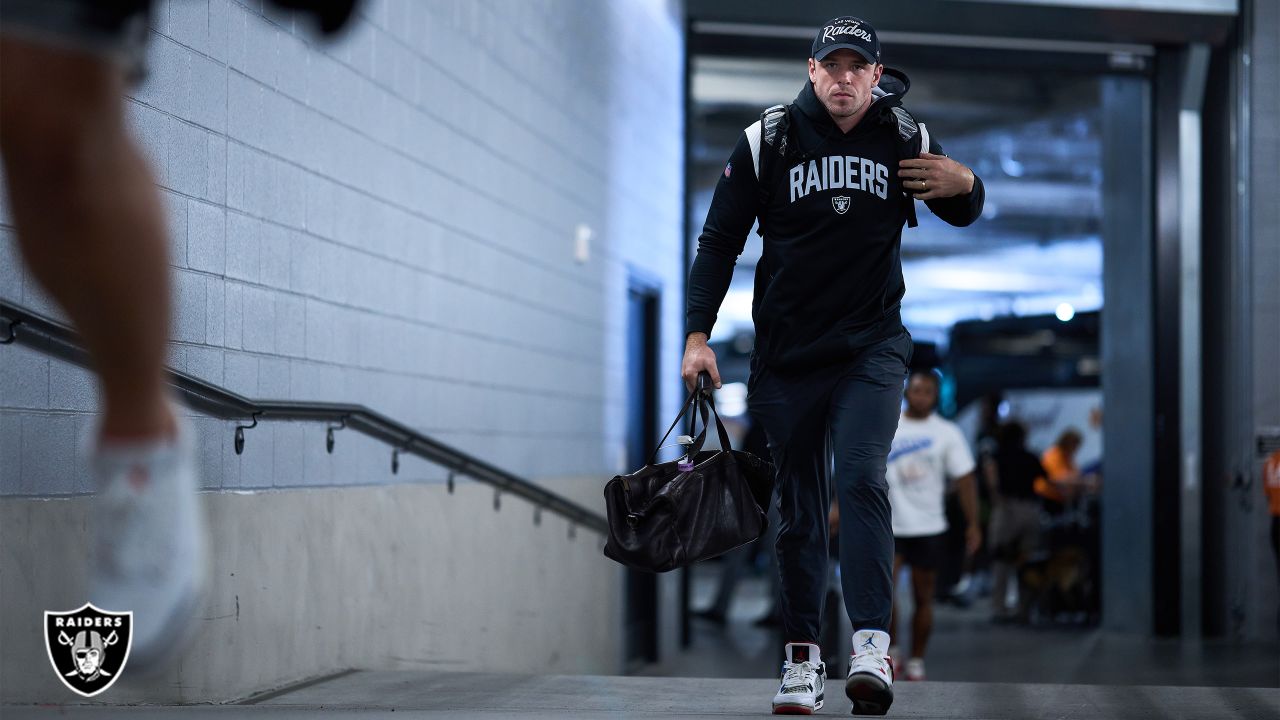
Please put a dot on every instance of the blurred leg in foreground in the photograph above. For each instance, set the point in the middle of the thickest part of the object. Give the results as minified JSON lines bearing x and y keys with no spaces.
{"x":91,"y":228}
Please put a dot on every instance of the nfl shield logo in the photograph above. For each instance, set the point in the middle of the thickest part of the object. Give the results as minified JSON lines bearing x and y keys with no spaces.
{"x":88,"y":647}
{"x":840,"y":203}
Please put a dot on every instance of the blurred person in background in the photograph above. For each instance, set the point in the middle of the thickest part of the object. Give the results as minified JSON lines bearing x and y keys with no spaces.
{"x":928,"y":451}
{"x":1015,"y":519}
{"x":1062,"y":482}
{"x":972,"y":578}
{"x":831,"y":350}
{"x":1271,"y":486}
{"x":91,"y":227}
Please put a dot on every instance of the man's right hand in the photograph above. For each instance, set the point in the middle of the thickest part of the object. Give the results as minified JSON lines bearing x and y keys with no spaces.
{"x":698,"y":356}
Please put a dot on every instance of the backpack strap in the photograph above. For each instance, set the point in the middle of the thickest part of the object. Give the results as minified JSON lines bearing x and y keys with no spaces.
{"x":913,"y":139}
{"x":769,"y":148}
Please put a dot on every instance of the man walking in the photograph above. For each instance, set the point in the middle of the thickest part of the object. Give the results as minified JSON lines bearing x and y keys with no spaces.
{"x":826,"y":178}
{"x":927,"y":452}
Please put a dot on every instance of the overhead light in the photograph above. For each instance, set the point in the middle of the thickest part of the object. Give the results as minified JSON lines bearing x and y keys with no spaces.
{"x":1065,"y":312}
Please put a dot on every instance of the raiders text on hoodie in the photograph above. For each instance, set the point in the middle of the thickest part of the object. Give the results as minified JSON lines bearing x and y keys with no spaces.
{"x":830,"y":280}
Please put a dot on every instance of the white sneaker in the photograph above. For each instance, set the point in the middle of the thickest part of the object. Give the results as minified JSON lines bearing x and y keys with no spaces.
{"x":870,"y":681}
{"x":804,"y":677}
{"x":915,"y":669}
{"x":149,"y":553}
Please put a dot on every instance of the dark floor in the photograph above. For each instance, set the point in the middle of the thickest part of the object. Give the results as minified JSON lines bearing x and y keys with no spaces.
{"x":967,"y":647}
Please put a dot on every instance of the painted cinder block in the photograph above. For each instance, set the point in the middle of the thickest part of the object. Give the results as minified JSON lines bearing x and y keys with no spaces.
{"x":49,"y":472}
{"x":240,"y":373}
{"x":290,"y":325}
{"x":244,"y":249}
{"x":259,"y":319}
{"x":11,"y":450}
{"x":253,"y":48}
{"x":273,"y":378}
{"x":205,"y":363}
{"x":72,"y":388}
{"x":24,"y":378}
{"x":206,"y":237}
{"x":233,"y":336}
{"x":389,"y":218}
{"x":188,"y":158}
{"x":175,"y":209}
{"x":246,"y":109}
{"x":210,"y":436}
{"x":190,"y":307}
{"x":288,"y":465}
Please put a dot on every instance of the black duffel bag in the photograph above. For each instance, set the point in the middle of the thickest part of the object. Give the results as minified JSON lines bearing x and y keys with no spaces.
{"x":669,"y":515}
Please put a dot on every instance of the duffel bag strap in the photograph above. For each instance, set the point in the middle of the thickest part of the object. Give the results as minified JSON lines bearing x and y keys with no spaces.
{"x":724,"y":434}
{"x":689,"y":404}
{"x":699,"y":400}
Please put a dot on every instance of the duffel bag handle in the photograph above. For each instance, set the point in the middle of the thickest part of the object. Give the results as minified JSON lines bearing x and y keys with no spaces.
{"x":690,"y":402}
{"x":698,"y":400}
{"x":704,"y":382}
{"x":710,"y":400}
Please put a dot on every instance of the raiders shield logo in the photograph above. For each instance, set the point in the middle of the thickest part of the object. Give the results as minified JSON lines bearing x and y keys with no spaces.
{"x":841,"y":204}
{"x":88,"y":647}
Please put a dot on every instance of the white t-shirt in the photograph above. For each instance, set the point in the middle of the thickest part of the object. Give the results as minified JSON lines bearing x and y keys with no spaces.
{"x":925,"y":455}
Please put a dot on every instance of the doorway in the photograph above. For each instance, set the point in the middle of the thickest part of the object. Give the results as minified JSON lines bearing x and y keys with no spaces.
{"x":643,"y":304}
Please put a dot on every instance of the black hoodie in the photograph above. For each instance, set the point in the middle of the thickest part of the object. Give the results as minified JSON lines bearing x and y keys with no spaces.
{"x":830,"y":280}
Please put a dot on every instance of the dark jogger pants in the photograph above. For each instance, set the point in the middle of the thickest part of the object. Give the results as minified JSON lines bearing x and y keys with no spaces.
{"x":849,"y":410}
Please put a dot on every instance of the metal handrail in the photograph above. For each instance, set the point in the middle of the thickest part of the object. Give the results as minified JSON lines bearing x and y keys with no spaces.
{"x":55,"y":339}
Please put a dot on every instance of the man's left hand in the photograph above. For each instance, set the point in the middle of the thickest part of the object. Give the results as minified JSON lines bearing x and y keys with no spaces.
{"x":931,"y":176}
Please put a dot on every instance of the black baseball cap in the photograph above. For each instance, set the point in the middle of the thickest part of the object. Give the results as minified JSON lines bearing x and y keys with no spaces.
{"x":850,"y":33}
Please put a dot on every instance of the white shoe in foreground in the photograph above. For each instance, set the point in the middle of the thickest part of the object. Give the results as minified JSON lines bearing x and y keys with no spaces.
{"x":870,"y":681}
{"x":804,"y":677}
{"x":149,"y":553}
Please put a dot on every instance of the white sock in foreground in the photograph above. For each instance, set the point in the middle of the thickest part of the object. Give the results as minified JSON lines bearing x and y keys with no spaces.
{"x":870,"y":681}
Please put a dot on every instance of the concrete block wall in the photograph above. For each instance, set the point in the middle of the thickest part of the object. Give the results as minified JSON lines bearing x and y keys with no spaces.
{"x":390,"y":220}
